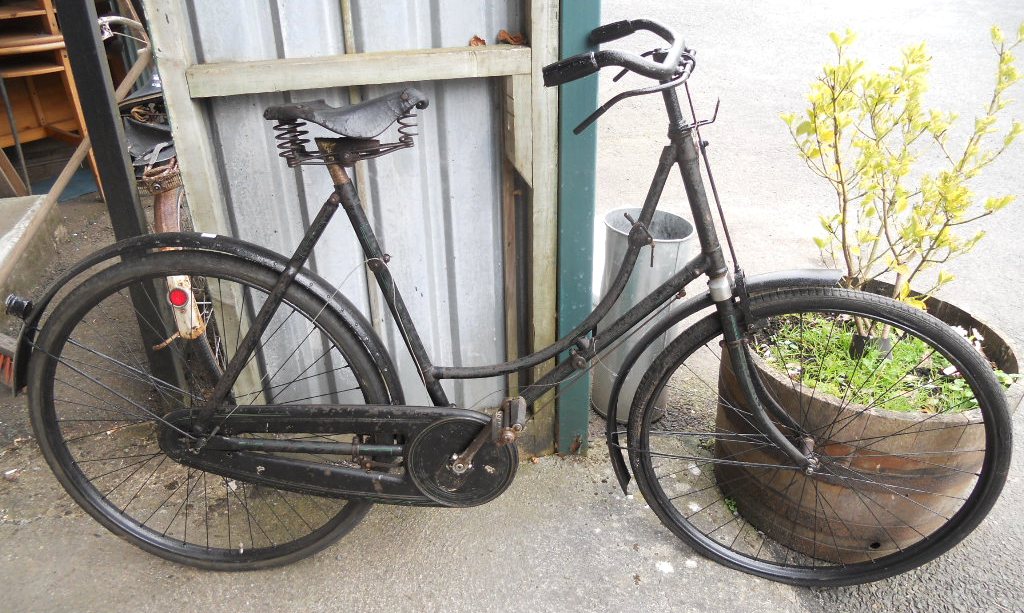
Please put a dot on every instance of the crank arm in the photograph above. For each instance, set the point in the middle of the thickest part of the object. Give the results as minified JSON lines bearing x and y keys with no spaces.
{"x":463,"y":462}
{"x":506,"y":426}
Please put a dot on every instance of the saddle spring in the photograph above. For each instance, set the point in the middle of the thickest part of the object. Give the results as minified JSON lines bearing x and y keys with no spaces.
{"x":291,"y":142}
{"x":407,"y":128}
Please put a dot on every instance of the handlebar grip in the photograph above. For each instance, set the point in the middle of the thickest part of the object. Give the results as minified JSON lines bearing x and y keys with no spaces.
{"x":611,"y":31}
{"x":570,"y":69}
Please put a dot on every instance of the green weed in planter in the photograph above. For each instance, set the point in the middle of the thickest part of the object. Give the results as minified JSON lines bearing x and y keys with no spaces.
{"x":905,"y":376}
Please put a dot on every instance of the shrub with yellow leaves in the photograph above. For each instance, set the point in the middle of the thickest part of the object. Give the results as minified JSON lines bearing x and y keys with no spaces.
{"x":867,"y":132}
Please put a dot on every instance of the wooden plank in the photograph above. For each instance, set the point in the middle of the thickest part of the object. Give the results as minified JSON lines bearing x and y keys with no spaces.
{"x":37,"y":132}
{"x":37,"y":103}
{"x":10,"y":181}
{"x":510,"y":256}
{"x":21,"y":8}
{"x":192,"y":138}
{"x":15,"y":43}
{"x":543,"y":36}
{"x":63,"y":135}
{"x":518,"y":132}
{"x":234,"y":78}
{"x":29,"y":68}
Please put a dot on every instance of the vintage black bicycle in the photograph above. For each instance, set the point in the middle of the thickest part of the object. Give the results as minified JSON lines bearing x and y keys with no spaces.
{"x":747,"y":442}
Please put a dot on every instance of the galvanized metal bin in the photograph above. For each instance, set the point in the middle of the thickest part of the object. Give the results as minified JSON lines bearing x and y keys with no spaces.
{"x":674,"y":243}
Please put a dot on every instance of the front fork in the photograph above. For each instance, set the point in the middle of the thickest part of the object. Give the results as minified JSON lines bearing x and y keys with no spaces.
{"x":735,"y":327}
{"x":736,"y":332}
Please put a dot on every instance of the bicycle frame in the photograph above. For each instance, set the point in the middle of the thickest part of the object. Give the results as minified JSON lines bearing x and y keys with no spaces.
{"x":432,"y":374}
{"x":682,"y":151}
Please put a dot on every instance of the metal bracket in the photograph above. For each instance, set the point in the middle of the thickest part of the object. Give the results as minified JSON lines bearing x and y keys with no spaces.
{"x":740,"y":282}
{"x":513,"y":411}
{"x":647,"y":238}
{"x":579,"y":362}
{"x":704,"y":122}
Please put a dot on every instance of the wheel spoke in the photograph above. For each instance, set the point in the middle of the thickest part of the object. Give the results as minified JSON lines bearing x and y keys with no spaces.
{"x":881,"y":488}
{"x":108,"y":411}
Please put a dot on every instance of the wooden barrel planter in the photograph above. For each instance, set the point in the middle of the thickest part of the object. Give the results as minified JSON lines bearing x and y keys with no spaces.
{"x":868,"y":520}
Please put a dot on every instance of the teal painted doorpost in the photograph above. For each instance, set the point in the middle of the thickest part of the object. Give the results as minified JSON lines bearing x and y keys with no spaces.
{"x":577,"y":164}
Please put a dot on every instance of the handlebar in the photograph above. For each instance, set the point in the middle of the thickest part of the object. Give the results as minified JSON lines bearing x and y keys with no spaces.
{"x":584,"y":64}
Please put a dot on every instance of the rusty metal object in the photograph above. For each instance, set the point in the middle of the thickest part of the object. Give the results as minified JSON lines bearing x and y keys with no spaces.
{"x":162,"y":179}
{"x":511,"y":38}
{"x":804,"y":503}
{"x":329,"y":148}
{"x":166,"y":215}
{"x":338,"y":174}
{"x":513,"y":418}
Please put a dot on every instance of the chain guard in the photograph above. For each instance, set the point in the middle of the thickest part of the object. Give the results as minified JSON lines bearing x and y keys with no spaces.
{"x":429,"y":464}
{"x":436,"y":433}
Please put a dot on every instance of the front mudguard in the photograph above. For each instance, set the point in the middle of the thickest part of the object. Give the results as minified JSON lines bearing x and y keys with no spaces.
{"x":758,"y":284}
{"x":249,"y":252}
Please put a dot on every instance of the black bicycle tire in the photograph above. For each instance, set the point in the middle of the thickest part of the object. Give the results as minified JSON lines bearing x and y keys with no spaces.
{"x":66,"y":315}
{"x":971,"y":363}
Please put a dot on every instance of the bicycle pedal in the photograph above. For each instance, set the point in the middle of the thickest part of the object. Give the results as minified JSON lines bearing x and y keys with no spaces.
{"x":513,"y":421}
{"x":17,"y":306}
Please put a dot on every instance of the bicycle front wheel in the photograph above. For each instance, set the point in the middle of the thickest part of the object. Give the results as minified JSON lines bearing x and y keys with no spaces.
{"x":97,"y":407}
{"x":905,"y":419}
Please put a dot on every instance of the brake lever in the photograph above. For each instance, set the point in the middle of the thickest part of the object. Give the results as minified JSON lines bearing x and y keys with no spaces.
{"x":625,"y":71}
{"x":683,"y":75}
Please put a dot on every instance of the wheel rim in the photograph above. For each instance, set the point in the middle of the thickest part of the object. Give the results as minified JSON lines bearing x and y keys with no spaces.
{"x":729,"y":491}
{"x":98,"y":412}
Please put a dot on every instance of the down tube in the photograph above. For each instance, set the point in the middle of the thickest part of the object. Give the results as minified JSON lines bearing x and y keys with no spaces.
{"x":693,"y":269}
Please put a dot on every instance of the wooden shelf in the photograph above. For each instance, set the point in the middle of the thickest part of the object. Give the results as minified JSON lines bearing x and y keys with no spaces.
{"x":16,"y":43}
{"x":37,"y":76}
{"x":22,"y":8}
{"x":13,"y":70}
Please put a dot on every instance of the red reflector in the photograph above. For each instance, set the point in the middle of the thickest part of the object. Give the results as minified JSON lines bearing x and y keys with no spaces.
{"x":177,"y":297}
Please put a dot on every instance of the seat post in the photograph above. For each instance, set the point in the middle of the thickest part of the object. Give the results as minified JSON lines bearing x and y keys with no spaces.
{"x":328,"y":146}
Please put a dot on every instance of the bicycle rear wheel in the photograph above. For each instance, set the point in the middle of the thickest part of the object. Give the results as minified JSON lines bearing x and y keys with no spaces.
{"x":910,"y":429}
{"x":97,"y":406}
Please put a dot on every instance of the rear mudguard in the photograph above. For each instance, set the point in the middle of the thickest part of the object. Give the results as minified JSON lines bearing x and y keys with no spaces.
{"x":249,"y":252}
{"x":758,"y":284}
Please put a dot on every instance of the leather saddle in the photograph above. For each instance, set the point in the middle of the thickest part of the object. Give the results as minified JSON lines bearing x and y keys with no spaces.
{"x":365,"y":120}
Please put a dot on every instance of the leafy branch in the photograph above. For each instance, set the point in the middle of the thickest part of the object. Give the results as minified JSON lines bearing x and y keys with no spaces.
{"x":865,"y":131}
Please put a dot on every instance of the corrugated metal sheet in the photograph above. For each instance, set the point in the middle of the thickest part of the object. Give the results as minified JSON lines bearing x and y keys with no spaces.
{"x":436,"y":207}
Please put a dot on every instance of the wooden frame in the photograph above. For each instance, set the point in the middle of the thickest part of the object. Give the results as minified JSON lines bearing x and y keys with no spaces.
{"x":187,"y":84}
{"x":374,"y":68}
{"x":544,"y":211}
